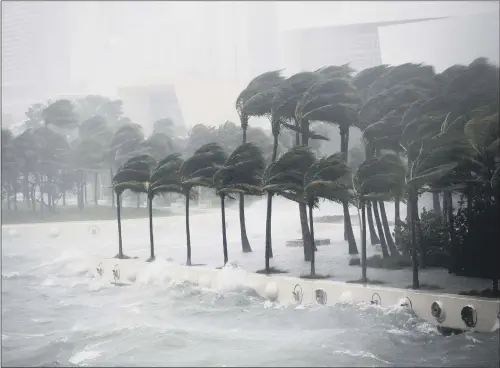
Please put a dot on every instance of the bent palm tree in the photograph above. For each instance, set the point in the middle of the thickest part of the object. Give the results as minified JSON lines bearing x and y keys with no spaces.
{"x":165,"y":178}
{"x":241,"y":173}
{"x":198,"y":171}
{"x":329,"y":179}
{"x":333,"y":100}
{"x":132,"y":175}
{"x":284,"y":105}
{"x":263,"y":82}
{"x":261,"y":104}
{"x":378,"y":179}
{"x":285,"y":177}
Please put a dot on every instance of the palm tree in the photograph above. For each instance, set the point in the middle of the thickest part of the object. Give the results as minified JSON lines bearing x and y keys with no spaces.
{"x":436,"y":160}
{"x":285,"y":177}
{"x":329,"y":178}
{"x":261,"y":104}
{"x":256,"y":100}
{"x":378,"y":179}
{"x":198,"y":171}
{"x":284,"y":105}
{"x":241,"y":173}
{"x":132,"y":175}
{"x":387,"y":101}
{"x":333,"y":100}
{"x":165,"y":178}
{"x":363,"y":82}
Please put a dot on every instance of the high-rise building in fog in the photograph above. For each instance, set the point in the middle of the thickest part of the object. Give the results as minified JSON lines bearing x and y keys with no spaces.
{"x":442,"y":42}
{"x":356,"y":44}
{"x":147,"y":104}
{"x":36,"y":54}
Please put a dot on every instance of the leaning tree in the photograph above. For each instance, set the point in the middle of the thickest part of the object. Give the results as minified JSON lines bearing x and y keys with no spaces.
{"x":255,"y":100}
{"x":240,"y":174}
{"x":198,"y":171}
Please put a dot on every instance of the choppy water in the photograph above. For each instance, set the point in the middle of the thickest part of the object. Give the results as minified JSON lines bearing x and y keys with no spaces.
{"x":55,"y":313}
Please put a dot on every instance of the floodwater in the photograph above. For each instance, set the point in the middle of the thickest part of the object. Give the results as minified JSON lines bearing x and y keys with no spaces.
{"x":54,"y":313}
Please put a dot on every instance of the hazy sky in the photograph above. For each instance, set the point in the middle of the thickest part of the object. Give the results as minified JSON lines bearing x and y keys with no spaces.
{"x":302,"y":14}
{"x":117,"y":43}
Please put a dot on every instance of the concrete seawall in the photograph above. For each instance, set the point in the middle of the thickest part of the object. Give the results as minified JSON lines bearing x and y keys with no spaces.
{"x":443,"y":310}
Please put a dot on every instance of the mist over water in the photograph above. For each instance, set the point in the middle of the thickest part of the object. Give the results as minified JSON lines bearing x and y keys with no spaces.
{"x":55,"y":313}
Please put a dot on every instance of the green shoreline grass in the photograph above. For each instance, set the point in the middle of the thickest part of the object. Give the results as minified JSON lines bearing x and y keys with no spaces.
{"x":72,"y":213}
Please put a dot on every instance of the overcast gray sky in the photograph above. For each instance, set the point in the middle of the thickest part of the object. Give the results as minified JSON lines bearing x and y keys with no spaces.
{"x":300,"y":14}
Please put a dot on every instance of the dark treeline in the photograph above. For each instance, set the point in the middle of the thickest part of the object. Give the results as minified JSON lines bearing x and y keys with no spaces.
{"x":422,"y":132}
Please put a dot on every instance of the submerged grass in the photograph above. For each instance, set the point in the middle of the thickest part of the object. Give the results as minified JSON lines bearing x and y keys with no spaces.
{"x":271,"y":271}
{"x":377,"y":261}
{"x":315,"y":277}
{"x":24,"y":215}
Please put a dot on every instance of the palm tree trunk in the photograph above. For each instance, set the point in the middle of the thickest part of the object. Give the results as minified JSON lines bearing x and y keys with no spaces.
{"x":41,"y":198}
{"x":119,"y":219}
{"x":85,"y":188}
{"x":348,"y":233}
{"x":445,"y":208}
{"x":363,"y":242}
{"x":306,"y":235}
{"x":436,"y":204}
{"x":268,"y":229}
{"x":470,"y":196}
{"x":224,"y":239}
{"x":307,"y":242}
{"x":8,"y":197}
{"x":387,"y":230}
{"x":373,"y":234}
{"x":311,"y":225}
{"x":138,"y":200}
{"x":397,"y":220}
{"x":245,"y":244}
{"x":15,"y":200}
{"x":151,"y":235}
{"x":269,"y":241}
{"x":26,"y":191}
{"x":64,"y":198}
{"x":188,"y":233}
{"x":413,"y":204}
{"x":96,"y":181}
{"x":353,"y":249}
{"x":383,"y":244}
{"x":451,"y":228}
{"x":33,"y":202}
{"x":420,"y":237}
{"x":111,"y":187}
{"x":495,"y":286}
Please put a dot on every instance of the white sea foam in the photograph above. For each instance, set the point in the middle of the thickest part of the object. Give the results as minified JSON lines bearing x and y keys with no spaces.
{"x":84,"y":355}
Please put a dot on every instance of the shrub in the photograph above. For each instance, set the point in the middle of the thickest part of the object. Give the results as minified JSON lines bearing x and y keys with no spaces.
{"x":377,"y":261}
{"x":435,"y":237}
{"x":477,"y":240}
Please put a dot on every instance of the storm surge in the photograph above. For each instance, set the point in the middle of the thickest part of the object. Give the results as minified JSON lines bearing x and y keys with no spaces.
{"x":58,"y":313}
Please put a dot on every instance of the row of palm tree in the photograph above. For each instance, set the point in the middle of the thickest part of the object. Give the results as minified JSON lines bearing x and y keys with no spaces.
{"x":422,"y":131}
{"x":295,"y":175}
